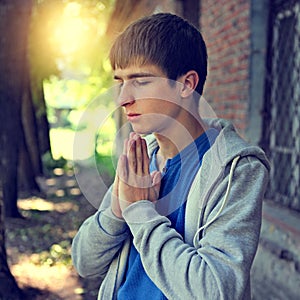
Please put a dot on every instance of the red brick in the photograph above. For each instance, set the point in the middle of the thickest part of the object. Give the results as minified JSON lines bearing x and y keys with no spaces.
{"x":225,"y":27}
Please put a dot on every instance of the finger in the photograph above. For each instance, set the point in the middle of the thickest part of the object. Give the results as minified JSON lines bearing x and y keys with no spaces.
{"x":129,"y":142}
{"x":132,"y":156}
{"x":132,"y":135}
{"x":139,"y":157}
{"x":145,"y":156}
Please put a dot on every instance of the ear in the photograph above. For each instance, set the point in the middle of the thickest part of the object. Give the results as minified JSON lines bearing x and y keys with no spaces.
{"x":190,"y":81}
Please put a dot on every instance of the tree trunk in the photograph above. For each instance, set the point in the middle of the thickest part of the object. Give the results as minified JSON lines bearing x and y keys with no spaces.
{"x":26,"y":172}
{"x":9,"y":289}
{"x":30,"y":162}
{"x":10,"y":173}
{"x":9,"y":139}
{"x":14,"y":20}
{"x":30,"y":130}
{"x":40,"y":107}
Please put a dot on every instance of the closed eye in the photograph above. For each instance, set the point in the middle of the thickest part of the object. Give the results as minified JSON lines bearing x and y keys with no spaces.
{"x":143,"y":80}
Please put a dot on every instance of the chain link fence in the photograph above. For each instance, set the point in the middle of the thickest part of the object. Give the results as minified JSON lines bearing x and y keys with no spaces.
{"x":282,"y":111}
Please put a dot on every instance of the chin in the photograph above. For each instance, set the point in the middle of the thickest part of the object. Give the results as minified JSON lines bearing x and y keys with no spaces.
{"x":142,"y":131}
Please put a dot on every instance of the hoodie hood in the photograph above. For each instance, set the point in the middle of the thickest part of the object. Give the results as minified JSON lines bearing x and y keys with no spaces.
{"x":229,"y":144}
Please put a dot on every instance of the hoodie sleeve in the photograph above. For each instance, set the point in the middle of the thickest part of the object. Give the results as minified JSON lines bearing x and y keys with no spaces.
{"x":219,"y":268}
{"x":98,"y":241}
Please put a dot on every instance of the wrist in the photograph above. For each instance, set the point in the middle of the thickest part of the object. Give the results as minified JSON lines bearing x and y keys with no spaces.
{"x":117,"y":213}
{"x":110,"y":223}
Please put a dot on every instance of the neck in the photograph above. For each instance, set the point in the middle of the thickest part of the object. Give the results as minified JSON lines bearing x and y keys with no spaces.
{"x":179,"y":135}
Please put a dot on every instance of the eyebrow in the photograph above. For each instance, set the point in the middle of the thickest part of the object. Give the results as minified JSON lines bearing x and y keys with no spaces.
{"x":135,"y":75}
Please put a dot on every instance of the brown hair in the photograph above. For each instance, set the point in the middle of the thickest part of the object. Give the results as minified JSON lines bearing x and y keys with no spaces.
{"x":165,"y":40}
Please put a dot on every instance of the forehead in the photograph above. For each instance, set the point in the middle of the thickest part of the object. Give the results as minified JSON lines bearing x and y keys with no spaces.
{"x":134,"y":71}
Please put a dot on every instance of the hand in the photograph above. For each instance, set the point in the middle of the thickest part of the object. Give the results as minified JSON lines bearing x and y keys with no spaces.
{"x":134,"y":180}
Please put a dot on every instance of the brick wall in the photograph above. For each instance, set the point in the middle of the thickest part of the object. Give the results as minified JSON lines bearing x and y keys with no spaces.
{"x":225,"y":25}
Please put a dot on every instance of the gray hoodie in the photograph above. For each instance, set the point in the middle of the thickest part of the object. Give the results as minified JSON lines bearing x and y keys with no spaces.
{"x":222,"y":226}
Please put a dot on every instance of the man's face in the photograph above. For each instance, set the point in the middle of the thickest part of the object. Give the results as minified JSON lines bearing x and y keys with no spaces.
{"x":150,"y":101}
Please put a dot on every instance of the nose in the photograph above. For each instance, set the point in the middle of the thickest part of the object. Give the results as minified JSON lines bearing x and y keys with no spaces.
{"x":125,"y":95}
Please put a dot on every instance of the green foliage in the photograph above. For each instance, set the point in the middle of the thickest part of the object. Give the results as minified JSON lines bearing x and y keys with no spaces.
{"x":105,"y":136}
{"x":104,"y":147}
{"x":67,"y":35}
{"x":106,"y":164}
{"x":68,"y":55}
{"x":68,"y":50}
{"x":73,"y":93}
{"x":50,"y":164}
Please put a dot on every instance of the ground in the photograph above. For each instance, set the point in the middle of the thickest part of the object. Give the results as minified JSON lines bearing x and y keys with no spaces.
{"x":39,"y":245}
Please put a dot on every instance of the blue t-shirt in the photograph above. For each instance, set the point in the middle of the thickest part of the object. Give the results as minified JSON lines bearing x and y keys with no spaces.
{"x":177,"y":177}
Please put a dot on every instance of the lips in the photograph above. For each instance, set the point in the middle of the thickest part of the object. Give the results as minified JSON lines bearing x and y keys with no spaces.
{"x":132,"y":116}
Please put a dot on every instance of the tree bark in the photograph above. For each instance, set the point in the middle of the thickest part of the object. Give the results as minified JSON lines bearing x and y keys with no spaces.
{"x":42,"y":64}
{"x":30,"y":130}
{"x":30,"y":161}
{"x":26,"y":172}
{"x":9,"y":289}
{"x":40,"y":107}
{"x":14,"y":20}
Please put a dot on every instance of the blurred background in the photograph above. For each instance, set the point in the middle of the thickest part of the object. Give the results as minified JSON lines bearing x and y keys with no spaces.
{"x":54,"y":68}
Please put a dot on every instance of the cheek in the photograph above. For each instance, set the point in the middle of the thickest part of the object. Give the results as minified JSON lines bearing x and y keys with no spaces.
{"x":162,"y":94}
{"x":159,"y":106}
{"x":157,"y":121}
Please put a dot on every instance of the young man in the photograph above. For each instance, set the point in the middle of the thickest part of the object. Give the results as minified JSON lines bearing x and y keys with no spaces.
{"x":182,"y":219}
